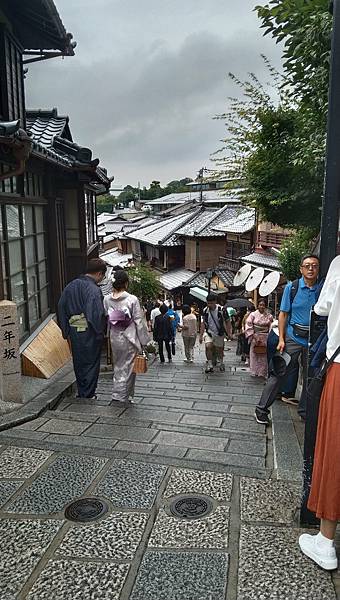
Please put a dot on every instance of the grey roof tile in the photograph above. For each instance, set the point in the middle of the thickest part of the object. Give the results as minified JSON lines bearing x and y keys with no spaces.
{"x":175,"y":279}
{"x":206,"y":222}
{"x":199,"y":279}
{"x":242,"y":222}
{"x":162,"y":231}
{"x":260,"y":259}
{"x":44,"y":129}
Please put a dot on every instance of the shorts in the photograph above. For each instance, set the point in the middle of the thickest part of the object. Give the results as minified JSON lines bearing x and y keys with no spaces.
{"x":216,"y":340}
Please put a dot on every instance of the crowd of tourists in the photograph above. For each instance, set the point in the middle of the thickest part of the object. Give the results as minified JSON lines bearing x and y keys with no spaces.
{"x":275,"y":350}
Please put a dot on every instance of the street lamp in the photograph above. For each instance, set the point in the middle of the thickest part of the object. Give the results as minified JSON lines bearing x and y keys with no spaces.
{"x":209,"y":275}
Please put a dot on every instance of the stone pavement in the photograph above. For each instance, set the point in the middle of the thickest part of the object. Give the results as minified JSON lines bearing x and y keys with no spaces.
{"x":188,"y":434}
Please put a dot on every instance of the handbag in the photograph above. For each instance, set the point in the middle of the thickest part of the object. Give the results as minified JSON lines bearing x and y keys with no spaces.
{"x":140,"y":365}
{"x":315,"y":387}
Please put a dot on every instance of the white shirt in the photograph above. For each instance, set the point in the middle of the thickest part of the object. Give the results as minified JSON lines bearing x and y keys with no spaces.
{"x":213,"y":320}
{"x":154,"y":313}
{"x":328,"y":305}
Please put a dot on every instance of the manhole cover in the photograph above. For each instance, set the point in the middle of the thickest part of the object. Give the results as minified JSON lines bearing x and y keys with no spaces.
{"x":191,"y":507}
{"x":86,"y":509}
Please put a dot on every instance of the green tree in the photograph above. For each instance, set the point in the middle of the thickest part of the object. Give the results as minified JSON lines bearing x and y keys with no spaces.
{"x":304,"y":27}
{"x":277,"y":148}
{"x":129,"y":194}
{"x":262,"y":149}
{"x":292,"y":251}
{"x":106,"y":203}
{"x":143,"y":283}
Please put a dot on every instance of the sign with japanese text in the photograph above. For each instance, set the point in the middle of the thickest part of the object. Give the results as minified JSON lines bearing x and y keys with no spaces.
{"x":10,"y":364}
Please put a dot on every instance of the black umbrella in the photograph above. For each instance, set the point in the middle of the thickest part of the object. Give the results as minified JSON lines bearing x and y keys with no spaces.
{"x":239,"y":303}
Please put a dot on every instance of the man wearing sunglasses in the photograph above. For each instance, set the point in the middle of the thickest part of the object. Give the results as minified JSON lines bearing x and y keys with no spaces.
{"x":294,"y":320}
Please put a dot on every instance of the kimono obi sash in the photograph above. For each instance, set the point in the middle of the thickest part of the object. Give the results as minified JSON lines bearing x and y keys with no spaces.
{"x":79,"y":322}
{"x":261,"y":328}
{"x":118,"y":319}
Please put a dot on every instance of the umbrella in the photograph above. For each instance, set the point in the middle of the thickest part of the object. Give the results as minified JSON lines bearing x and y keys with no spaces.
{"x":239,"y":303}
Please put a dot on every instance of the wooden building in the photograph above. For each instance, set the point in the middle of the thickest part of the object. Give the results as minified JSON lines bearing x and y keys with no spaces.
{"x":48,"y":183}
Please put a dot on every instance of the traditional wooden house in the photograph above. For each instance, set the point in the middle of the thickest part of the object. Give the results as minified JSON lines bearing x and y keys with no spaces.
{"x":228,"y":231}
{"x":48,"y":183}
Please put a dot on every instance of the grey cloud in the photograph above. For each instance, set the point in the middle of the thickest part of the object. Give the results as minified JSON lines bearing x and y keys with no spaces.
{"x":147,"y":113}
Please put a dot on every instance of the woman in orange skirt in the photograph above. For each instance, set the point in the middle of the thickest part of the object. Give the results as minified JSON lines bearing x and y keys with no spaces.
{"x":324,"y":498}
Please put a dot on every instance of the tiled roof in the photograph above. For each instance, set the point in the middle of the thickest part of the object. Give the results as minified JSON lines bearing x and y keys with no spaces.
{"x":207,"y":196}
{"x":103,"y":218}
{"x":175,"y":279}
{"x":268,"y":261}
{"x":206,"y":222}
{"x":114,"y":259}
{"x":51,"y":139}
{"x":162,"y":231}
{"x":44,"y":126}
{"x":199,"y":279}
{"x":240,"y":223}
{"x":38,"y":25}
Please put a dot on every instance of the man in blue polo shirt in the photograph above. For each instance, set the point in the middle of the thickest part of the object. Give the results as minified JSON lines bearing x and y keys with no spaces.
{"x":294,"y":320}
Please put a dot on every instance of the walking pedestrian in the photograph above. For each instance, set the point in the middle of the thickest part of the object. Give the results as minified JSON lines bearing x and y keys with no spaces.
{"x":289,"y":384}
{"x":256,"y":331}
{"x":298,"y":299}
{"x":162,"y":333}
{"x":214,"y":327}
{"x":324,"y":498}
{"x":128,"y":335}
{"x":154,"y":313}
{"x":82,"y":320}
{"x":189,"y":333}
{"x":174,"y":320}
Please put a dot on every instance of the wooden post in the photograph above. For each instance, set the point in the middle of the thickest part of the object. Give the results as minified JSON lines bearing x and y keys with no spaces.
{"x":10,"y":365}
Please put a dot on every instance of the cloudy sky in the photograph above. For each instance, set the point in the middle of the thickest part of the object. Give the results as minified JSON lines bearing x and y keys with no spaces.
{"x":148,"y":77}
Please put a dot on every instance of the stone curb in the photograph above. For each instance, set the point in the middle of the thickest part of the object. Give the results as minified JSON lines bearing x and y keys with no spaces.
{"x":288,"y":460}
{"x":45,"y":400}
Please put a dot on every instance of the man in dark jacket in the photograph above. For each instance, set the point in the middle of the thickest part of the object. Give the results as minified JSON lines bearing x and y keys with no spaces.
{"x":82,"y":321}
{"x":163,"y":333}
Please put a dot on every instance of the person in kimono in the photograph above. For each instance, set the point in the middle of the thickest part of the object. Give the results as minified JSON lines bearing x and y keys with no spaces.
{"x":128,"y":334}
{"x":256,"y":331}
{"x":82,"y":321}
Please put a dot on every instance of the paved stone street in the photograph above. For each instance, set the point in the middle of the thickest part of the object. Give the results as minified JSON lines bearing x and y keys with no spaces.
{"x":187,"y":434}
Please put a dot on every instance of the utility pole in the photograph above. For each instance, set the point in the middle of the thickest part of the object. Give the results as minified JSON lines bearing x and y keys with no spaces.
{"x":201,"y":175}
{"x":329,"y":239}
{"x":330,"y":207}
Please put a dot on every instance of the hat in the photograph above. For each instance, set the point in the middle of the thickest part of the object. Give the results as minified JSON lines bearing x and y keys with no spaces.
{"x":280,"y":362}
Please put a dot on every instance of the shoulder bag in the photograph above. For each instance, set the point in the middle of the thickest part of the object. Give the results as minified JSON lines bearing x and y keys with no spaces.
{"x":315,"y":387}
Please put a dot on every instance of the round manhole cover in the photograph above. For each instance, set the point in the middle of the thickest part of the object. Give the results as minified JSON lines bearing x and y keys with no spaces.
{"x":86,"y":509}
{"x":191,"y":507}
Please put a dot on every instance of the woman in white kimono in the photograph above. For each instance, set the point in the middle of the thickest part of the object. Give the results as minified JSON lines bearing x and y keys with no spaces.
{"x":128,"y":334}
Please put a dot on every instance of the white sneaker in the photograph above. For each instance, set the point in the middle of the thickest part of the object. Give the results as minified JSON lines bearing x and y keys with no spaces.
{"x":323,"y":554}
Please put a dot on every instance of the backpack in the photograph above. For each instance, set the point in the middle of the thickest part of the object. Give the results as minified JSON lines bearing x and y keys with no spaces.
{"x":220,"y":319}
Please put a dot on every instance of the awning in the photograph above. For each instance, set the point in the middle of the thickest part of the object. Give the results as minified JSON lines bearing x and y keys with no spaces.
{"x":202,"y":293}
{"x":199,"y":293}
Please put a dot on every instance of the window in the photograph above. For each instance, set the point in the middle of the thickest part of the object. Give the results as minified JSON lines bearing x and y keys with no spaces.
{"x":24,"y":263}
{"x":90,"y":217}
{"x":13,"y":81}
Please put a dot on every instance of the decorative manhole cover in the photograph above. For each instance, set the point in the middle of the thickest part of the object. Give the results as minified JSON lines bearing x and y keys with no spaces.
{"x":86,"y":509}
{"x":191,"y":507}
